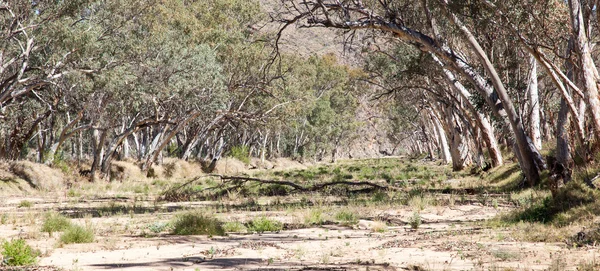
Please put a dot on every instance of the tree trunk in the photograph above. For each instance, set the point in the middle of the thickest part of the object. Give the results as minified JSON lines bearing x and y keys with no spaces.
{"x":442,"y":138}
{"x":534,"y":101}
{"x":531,"y":168}
{"x":159,"y":147}
{"x":487,"y":134}
{"x":586,"y":62}
{"x":198,"y":136}
{"x":98,"y":152}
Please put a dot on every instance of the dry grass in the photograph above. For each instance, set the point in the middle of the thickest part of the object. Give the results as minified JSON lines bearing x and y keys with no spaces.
{"x":39,"y":176}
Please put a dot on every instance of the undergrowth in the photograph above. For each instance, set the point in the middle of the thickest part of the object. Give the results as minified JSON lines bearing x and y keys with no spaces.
{"x":18,"y":253}
{"x":54,"y":222}
{"x":76,"y":234}
{"x":263,"y":224}
{"x":195,"y":223}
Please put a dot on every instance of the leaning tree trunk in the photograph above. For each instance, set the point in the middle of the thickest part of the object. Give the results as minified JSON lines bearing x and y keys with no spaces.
{"x":153,"y":155}
{"x":586,"y":62}
{"x":118,"y":140}
{"x":487,"y":134}
{"x":442,"y":138}
{"x":531,"y":168}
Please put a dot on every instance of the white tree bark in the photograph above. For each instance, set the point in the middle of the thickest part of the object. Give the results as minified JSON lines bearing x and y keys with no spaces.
{"x":534,"y":101}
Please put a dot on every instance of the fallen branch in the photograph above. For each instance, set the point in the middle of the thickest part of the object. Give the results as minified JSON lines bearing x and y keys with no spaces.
{"x":302,"y":188}
{"x":232,"y":182}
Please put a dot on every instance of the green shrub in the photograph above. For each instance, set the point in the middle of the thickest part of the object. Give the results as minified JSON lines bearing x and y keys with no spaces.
{"x":26,"y":204}
{"x":17,"y":253}
{"x":264,"y":224}
{"x":54,"y":222}
{"x":76,"y":234}
{"x":234,"y":227}
{"x":346,"y":217}
{"x":194,"y":223}
{"x":158,"y":227}
{"x":241,"y":153}
{"x":314,"y":217}
{"x":415,"y":220}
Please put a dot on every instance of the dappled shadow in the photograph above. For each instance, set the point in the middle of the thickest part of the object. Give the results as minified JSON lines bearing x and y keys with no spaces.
{"x":504,"y":175}
{"x":181,"y":262}
{"x":570,"y":204}
{"x":244,"y":263}
{"x":111,"y":210}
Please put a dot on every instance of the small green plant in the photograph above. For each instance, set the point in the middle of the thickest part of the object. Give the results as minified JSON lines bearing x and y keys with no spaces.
{"x":419,"y":202}
{"x":263,"y":224}
{"x":26,"y":204}
{"x":241,"y":153}
{"x":505,"y":255}
{"x":71,"y":193}
{"x":54,"y":222}
{"x":158,"y":227}
{"x":234,"y":227}
{"x":18,"y":253}
{"x":194,"y":223}
{"x":346,"y":217}
{"x":415,"y":220}
{"x":314,"y":217}
{"x":76,"y":234}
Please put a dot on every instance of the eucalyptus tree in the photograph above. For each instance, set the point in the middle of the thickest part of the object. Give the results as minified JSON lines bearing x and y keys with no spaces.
{"x":403,"y":21}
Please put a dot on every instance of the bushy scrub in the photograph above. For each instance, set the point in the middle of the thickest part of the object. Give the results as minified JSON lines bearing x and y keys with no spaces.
{"x":18,"y":253}
{"x":54,"y":222}
{"x":76,"y":234}
{"x":415,"y":220}
{"x":346,"y":217}
{"x":241,"y":153}
{"x":194,"y":223}
{"x":263,"y":224}
{"x":234,"y":227}
{"x":314,"y":217}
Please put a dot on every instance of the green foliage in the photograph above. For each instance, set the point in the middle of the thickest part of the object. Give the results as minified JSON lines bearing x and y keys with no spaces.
{"x":158,"y":227}
{"x":314,"y":217}
{"x":18,"y":253}
{"x":195,"y":223}
{"x":241,"y":153}
{"x":54,"y":222}
{"x":76,"y":234}
{"x":571,"y":203}
{"x":506,"y":255}
{"x":263,"y":224}
{"x":25,"y":203}
{"x":234,"y":227}
{"x":415,"y":220}
{"x":346,"y":217}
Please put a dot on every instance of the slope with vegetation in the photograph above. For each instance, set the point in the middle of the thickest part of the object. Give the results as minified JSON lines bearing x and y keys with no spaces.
{"x":493,"y":105}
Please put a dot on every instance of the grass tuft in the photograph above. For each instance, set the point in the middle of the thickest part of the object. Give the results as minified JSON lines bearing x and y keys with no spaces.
{"x":25,"y":204}
{"x":236,"y":227}
{"x":263,"y":224}
{"x":194,"y":223}
{"x":314,"y":217}
{"x":346,"y":217}
{"x":76,"y":234}
{"x":54,"y":222}
{"x":415,"y":220}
